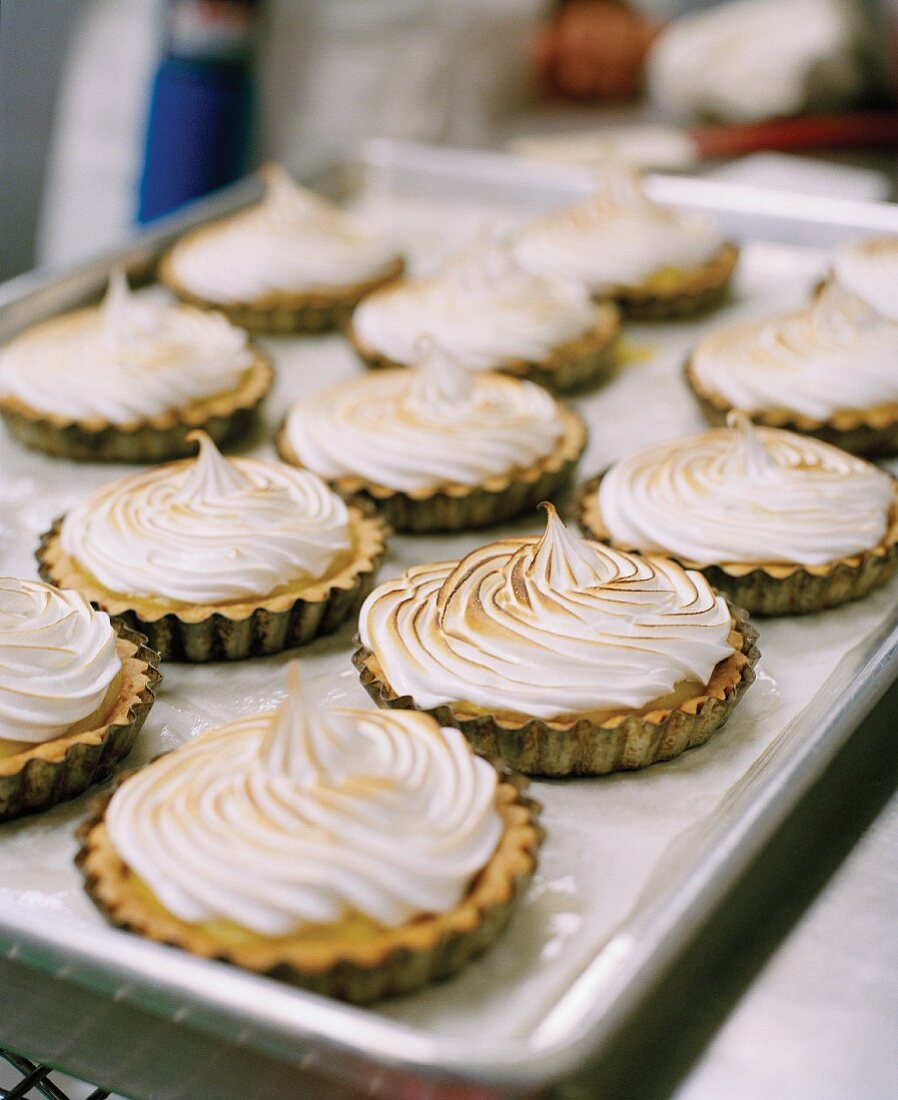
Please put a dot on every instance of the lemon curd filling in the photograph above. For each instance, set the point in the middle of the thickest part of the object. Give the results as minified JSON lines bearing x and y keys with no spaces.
{"x":351,"y":928}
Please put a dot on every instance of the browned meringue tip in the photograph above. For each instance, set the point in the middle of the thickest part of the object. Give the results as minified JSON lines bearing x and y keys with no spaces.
{"x":161,"y":438}
{"x":773,"y":589}
{"x":391,"y":963}
{"x":254,"y":628}
{"x":467,"y":508}
{"x":578,"y":745}
{"x":55,"y":771}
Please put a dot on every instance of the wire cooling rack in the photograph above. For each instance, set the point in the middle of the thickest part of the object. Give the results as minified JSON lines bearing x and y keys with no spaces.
{"x":30,"y":1081}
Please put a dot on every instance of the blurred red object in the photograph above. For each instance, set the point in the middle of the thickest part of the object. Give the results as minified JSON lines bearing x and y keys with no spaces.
{"x":867,"y":130}
{"x":594,"y":49}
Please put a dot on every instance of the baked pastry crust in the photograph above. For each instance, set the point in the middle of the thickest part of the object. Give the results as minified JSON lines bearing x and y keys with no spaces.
{"x":465,"y":507}
{"x":53,"y":771}
{"x":289,"y":617}
{"x":577,"y":363}
{"x":381,"y":963}
{"x":679,"y":292}
{"x":579,"y":744}
{"x":222,"y":416}
{"x":282,"y":312}
{"x":775,"y":588}
{"x":870,"y":432}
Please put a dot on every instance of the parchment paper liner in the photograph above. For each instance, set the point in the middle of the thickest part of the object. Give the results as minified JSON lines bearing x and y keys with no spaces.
{"x":775,"y":589}
{"x":465,"y":507}
{"x":156,"y":439}
{"x":572,"y":365}
{"x":252,"y":628}
{"x":392,"y":962}
{"x":871,"y":432}
{"x":579,"y":745}
{"x":54,"y":771}
{"x":691,"y":292}
{"x":282,"y":312}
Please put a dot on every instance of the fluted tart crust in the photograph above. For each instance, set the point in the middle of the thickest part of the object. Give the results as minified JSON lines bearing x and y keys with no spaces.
{"x":775,"y":588}
{"x":291,"y":616}
{"x":466,"y":507}
{"x":577,"y":363}
{"x":48,"y":772}
{"x":679,"y":292}
{"x":358,"y":963}
{"x":581,"y":744}
{"x":282,"y":313}
{"x":869,"y":432}
{"x":223,"y":417}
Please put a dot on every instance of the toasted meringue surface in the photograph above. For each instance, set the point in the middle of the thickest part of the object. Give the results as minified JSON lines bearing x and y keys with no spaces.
{"x":128,"y":360}
{"x":208,"y":529}
{"x":546,"y":626}
{"x":58,"y":660}
{"x":746,"y":494}
{"x":307,"y":817}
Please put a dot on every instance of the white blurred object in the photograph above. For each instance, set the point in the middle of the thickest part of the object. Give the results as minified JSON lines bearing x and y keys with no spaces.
{"x":641,"y":146}
{"x":756,"y":59}
{"x":330,"y":73}
{"x":811,"y":177}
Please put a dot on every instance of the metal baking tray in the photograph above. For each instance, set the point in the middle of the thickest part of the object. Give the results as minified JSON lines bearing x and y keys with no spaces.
{"x":634,"y":864}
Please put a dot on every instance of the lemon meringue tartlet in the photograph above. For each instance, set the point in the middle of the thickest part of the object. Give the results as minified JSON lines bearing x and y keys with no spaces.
{"x":293,"y":262}
{"x":354,"y":852}
{"x":74,"y":691}
{"x":438,"y":448}
{"x":128,"y":380}
{"x":653,"y":261}
{"x":782,"y":523}
{"x":827,"y":369}
{"x":557,"y":655}
{"x":489,"y":312}
{"x":217,"y":558}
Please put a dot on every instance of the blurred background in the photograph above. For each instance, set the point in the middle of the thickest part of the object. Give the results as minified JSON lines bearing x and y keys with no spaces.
{"x":115,"y":111}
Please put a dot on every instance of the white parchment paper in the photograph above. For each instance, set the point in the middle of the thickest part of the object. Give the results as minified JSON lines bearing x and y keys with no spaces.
{"x":605,"y":837}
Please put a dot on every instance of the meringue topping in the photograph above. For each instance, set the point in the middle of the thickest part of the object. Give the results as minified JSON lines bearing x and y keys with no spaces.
{"x":834,"y":355}
{"x":746,"y":494}
{"x":58,"y":660}
{"x":306,"y":817}
{"x":547,"y":627}
{"x":412,"y":430}
{"x":207,"y":530}
{"x":128,"y":360}
{"x":869,"y":269}
{"x":617,"y":238}
{"x":483,"y":307}
{"x":293,"y":241}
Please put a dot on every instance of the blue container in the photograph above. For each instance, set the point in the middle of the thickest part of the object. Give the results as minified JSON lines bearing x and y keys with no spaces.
{"x":197,"y":136}
{"x":201,"y":107}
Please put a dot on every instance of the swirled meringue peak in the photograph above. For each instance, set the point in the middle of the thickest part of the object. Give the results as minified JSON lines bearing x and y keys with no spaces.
{"x":128,"y":360}
{"x":293,"y":241}
{"x":210,"y":529}
{"x":616,"y":238}
{"x":482,"y":306}
{"x":58,"y":661}
{"x":304,"y":818}
{"x":548,"y":627}
{"x":869,"y":269}
{"x":411,"y":430}
{"x":746,"y":494}
{"x":834,"y":355}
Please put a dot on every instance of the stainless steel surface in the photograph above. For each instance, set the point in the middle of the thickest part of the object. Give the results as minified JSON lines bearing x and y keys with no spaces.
{"x":821,"y":1021}
{"x":126,"y":984}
